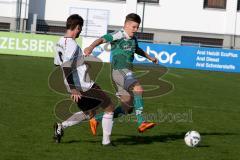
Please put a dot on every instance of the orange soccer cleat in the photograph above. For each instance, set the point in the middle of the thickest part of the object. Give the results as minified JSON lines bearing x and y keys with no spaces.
{"x":93,"y":125}
{"x":146,"y":125}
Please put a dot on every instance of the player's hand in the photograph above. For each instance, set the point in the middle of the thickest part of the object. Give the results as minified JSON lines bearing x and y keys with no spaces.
{"x":75,"y":95}
{"x":88,"y":51}
{"x":154,"y":60}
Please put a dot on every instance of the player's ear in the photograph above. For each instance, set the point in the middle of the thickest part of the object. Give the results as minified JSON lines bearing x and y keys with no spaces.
{"x":138,"y":25}
{"x":125,"y":23}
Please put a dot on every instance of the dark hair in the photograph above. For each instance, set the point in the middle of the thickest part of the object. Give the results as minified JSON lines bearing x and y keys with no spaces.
{"x":73,"y":21}
{"x":133,"y":17}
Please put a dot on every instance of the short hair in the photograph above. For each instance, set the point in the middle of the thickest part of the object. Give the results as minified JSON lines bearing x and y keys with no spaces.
{"x":74,"y":20}
{"x":133,"y":17}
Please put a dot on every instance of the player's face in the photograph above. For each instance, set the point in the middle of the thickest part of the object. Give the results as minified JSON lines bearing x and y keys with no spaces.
{"x":78,"y":30}
{"x":131,"y":27}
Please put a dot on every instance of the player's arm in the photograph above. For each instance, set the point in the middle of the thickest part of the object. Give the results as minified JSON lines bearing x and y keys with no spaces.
{"x":66,"y":64}
{"x":89,"y":49}
{"x":68,"y":73}
{"x":69,"y":66}
{"x":142,"y":53}
{"x":110,"y":37}
{"x":69,"y":77}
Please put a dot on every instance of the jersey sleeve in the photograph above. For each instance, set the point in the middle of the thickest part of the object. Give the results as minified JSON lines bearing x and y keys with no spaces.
{"x":110,"y":37}
{"x":58,"y":55}
{"x":57,"y":60}
{"x":139,"y":50}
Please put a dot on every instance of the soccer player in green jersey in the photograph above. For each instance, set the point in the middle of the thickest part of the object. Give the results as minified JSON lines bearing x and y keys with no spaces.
{"x":123,"y":46}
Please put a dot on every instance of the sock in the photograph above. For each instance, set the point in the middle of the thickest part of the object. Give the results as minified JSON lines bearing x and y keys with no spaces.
{"x":74,"y":119}
{"x":138,"y":105}
{"x":99,"y":117}
{"x":59,"y":128}
{"x":117,"y":113}
{"x":107,"y":123}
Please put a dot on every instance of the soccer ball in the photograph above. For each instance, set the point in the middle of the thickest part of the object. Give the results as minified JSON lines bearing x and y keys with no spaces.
{"x":192,"y":138}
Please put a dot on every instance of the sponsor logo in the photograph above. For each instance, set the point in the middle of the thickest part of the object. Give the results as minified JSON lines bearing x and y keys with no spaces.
{"x":163,"y":56}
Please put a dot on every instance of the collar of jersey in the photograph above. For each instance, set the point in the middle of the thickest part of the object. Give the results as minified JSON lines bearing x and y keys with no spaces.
{"x":67,"y":37}
{"x":125,"y":34}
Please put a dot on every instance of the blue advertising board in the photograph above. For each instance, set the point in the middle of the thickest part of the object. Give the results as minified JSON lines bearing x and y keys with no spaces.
{"x":191,"y":57}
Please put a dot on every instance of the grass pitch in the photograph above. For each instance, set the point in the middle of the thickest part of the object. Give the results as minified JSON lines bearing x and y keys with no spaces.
{"x":207,"y":102}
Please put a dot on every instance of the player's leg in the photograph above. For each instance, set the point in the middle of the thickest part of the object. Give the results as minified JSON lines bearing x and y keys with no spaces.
{"x":137,"y":91}
{"x":126,"y":99}
{"x":132,"y":85}
{"x":107,"y":118}
{"x":124,"y":108}
{"x":118,"y":111}
{"x":107,"y":124}
{"x":121,"y":109}
{"x":87,"y":105}
{"x":73,"y":120}
{"x":126,"y":104}
{"x":133,"y":99}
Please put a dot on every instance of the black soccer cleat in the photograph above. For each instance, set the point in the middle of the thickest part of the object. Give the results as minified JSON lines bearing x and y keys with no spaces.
{"x":58,"y":132}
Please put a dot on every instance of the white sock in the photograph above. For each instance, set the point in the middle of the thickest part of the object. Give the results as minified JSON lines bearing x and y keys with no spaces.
{"x":74,"y":119}
{"x":107,"y":123}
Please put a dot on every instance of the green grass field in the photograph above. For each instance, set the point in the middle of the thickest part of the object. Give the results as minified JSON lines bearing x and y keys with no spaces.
{"x":209,"y":99}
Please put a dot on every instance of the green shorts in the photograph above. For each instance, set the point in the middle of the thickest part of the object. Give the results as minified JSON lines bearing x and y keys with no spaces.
{"x":124,"y":80}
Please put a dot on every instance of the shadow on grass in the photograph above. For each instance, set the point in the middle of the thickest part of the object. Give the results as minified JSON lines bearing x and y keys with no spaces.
{"x":72,"y":141}
{"x":164,"y":138}
{"x":142,"y":139}
{"x":203,"y":146}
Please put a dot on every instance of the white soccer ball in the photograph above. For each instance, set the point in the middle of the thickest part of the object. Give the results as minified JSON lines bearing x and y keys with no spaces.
{"x":192,"y":138}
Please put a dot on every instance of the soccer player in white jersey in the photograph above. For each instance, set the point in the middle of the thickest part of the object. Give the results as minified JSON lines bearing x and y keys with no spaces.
{"x":86,"y":93}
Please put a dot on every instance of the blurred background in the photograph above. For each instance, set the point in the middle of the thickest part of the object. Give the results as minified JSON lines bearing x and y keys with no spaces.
{"x":211,"y":23}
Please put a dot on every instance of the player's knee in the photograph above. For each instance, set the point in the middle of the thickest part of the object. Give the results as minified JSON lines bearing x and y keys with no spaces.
{"x":126,"y":99}
{"x":137,"y":89}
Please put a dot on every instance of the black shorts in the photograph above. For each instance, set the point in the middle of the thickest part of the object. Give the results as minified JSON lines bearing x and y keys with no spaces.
{"x":93,"y":98}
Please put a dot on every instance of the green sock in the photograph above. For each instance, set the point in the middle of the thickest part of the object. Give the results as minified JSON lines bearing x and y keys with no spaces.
{"x":117,"y":113}
{"x":138,"y":105}
{"x":99,"y":116}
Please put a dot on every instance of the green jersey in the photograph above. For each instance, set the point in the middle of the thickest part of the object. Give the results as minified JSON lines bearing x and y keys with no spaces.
{"x":122,"y":49}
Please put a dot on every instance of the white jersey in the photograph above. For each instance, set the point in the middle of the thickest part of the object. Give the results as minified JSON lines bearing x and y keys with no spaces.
{"x":69,"y":54}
